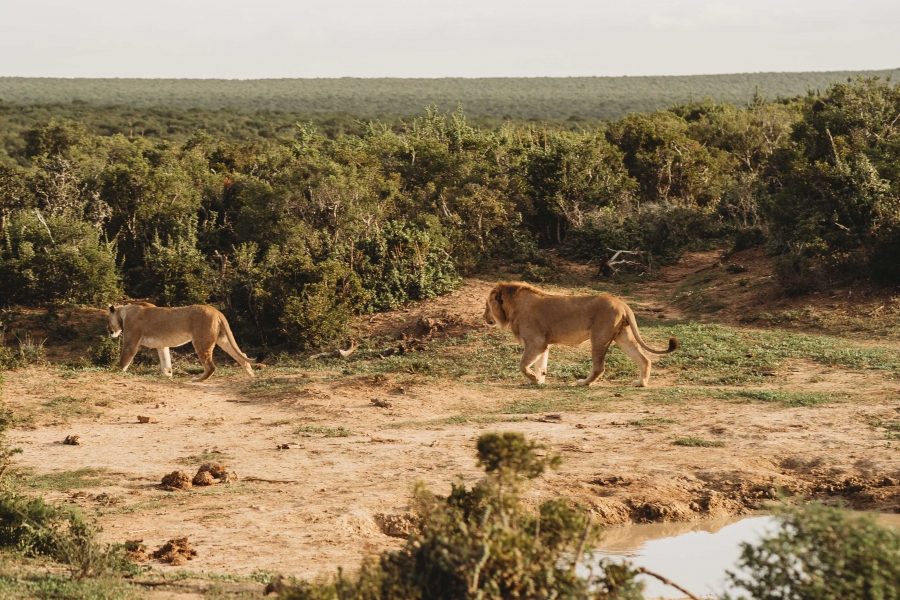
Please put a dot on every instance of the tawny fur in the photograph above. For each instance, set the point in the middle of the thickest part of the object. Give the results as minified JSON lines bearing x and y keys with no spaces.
{"x":143,"y":324}
{"x":540,"y":319}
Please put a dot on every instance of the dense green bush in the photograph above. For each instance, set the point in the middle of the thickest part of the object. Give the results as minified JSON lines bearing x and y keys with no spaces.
{"x":821,"y":553}
{"x":56,"y":260}
{"x":838,"y":193}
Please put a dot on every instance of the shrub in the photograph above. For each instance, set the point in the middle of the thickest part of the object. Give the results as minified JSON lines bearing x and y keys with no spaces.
{"x":405,"y":263}
{"x":57,"y":260}
{"x":821,"y":553}
{"x":28,"y":351}
{"x":106,"y":352}
{"x":662,"y":232}
{"x":178,"y":273}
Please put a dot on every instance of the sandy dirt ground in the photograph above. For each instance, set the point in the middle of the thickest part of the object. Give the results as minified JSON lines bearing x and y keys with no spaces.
{"x":348,"y":469}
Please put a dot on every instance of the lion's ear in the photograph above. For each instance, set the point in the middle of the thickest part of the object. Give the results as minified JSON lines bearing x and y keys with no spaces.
{"x":112,"y":308}
{"x":496,"y":295}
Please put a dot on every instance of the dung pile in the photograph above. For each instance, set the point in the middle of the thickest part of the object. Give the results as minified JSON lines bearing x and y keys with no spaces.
{"x":175,"y":552}
{"x":212,"y":473}
{"x":176,"y":480}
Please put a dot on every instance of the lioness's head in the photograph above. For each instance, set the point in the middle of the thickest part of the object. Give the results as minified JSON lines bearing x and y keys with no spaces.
{"x":494,"y":314}
{"x":114,"y":322}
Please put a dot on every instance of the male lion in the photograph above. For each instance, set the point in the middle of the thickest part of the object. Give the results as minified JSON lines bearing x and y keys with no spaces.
{"x":538,"y":319}
{"x":151,"y":326}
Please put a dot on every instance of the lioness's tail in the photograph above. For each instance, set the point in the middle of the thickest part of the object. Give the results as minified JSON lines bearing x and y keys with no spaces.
{"x":224,"y":327}
{"x":632,"y":322}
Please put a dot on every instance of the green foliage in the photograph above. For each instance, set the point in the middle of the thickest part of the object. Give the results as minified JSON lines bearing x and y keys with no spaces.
{"x":105,"y":352}
{"x":483,"y":543}
{"x":509,"y":457}
{"x":821,"y":553}
{"x":839,"y":185}
{"x":405,"y":263}
{"x":27,"y":351}
{"x":178,"y":273}
{"x":56,"y":260}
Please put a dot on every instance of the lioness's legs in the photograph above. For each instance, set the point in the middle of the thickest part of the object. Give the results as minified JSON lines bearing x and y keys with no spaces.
{"x":225,"y":345}
{"x":165,"y":361}
{"x":129,"y":349}
{"x":529,"y":356}
{"x":625,"y":340}
{"x":542,"y":365}
{"x":205,"y":354}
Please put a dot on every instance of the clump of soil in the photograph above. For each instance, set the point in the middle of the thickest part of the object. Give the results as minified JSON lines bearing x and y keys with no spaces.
{"x":212,"y":473}
{"x":175,"y":552}
{"x":136,"y":551}
{"x":176,"y":480}
{"x":399,"y":526}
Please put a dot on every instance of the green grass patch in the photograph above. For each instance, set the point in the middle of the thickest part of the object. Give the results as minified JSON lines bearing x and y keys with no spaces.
{"x":651,"y":422}
{"x":197,"y":459}
{"x":70,"y":406}
{"x":784,"y":398}
{"x":70,"y":480}
{"x":694,"y":442}
{"x":17,"y":583}
{"x":309,"y":430}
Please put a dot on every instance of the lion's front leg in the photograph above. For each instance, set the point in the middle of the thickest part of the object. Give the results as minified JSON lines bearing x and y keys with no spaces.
{"x":165,"y":361}
{"x":542,"y":365}
{"x":529,"y":356}
{"x":130,"y":348}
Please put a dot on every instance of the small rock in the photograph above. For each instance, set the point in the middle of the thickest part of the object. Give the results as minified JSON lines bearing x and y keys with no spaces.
{"x":288,"y":446}
{"x":617,"y":395}
{"x":381,"y":403}
{"x":147,"y":419}
{"x":72,"y":440}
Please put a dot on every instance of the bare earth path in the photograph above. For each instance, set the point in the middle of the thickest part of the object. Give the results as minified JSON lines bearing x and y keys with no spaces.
{"x":317,"y":505}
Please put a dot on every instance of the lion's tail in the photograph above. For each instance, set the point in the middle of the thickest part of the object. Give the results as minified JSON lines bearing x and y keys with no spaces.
{"x":632,"y":322}
{"x":226,"y":328}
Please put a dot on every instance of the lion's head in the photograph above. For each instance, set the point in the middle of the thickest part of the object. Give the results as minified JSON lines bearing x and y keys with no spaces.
{"x":494,"y":313}
{"x":114,"y":322}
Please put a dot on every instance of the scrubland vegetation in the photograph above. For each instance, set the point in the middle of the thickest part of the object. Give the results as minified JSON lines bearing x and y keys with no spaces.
{"x":539,"y":97}
{"x":292,"y":234}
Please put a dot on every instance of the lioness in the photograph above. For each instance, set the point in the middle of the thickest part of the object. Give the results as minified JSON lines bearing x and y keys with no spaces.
{"x":538,"y":319}
{"x":151,"y":326}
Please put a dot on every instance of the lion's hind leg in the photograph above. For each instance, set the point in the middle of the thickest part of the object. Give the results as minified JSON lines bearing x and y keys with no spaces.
{"x":205,"y":354}
{"x":625,"y":340}
{"x":529,"y":357}
{"x":601,"y":338}
{"x":234,"y":353}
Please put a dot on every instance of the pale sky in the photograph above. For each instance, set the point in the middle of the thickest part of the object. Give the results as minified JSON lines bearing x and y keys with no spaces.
{"x":454,"y":38}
